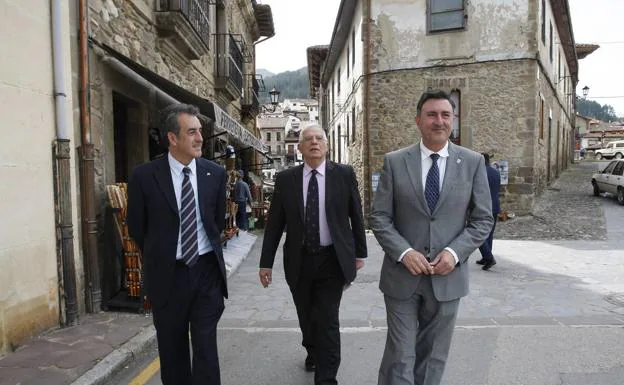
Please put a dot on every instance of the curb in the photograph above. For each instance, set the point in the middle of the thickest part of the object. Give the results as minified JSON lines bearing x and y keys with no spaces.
{"x":116,"y":359}
{"x":235,"y":254}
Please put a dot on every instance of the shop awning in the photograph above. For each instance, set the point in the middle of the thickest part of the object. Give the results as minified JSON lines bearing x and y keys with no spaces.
{"x":225,"y":122}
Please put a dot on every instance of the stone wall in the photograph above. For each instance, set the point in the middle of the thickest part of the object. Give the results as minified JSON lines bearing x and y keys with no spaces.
{"x":497,"y":112}
{"x":130,"y":30}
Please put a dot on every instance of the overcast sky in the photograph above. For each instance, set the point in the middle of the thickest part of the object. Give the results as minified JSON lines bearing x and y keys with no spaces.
{"x":303,"y":23}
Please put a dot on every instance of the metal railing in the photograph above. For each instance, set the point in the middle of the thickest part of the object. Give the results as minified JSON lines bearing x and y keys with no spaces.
{"x":229,"y":59}
{"x":195,"y":12}
{"x":252,"y":89}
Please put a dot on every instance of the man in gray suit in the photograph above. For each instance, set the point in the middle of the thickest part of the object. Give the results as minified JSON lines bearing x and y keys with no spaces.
{"x":432,"y":209}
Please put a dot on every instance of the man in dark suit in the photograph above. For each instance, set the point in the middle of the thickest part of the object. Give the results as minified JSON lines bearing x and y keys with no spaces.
{"x":487,"y":258}
{"x":176,"y":213}
{"x":319,"y":204}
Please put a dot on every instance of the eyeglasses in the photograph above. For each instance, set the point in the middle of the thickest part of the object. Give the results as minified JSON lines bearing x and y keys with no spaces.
{"x":318,"y":137}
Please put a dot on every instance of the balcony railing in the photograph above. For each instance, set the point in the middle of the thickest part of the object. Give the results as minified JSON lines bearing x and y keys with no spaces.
{"x":194,"y":11}
{"x":229,"y":63}
{"x":251,"y":101}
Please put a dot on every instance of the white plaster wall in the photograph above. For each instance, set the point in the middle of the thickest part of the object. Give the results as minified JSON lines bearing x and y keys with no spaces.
{"x":496,"y":30}
{"x":559,"y":74}
{"x":28,"y":277}
{"x":350,"y":86}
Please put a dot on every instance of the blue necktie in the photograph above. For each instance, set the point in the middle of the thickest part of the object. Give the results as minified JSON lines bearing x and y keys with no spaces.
{"x":188,"y":221}
{"x":312,"y":240}
{"x":432,"y":187}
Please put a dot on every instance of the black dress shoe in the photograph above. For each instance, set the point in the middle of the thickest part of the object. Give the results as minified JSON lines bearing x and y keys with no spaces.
{"x":489,"y":264}
{"x":481,"y":261}
{"x":309,"y":364}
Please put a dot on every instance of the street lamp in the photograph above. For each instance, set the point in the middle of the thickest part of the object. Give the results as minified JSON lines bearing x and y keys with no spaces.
{"x":274,"y":94}
{"x":585,"y":91}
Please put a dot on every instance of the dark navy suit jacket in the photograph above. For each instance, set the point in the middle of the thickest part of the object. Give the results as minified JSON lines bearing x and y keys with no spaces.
{"x":494,"y":181}
{"x":154,"y":221}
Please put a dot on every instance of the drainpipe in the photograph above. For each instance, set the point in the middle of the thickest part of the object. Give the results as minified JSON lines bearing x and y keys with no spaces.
{"x":62,"y":177}
{"x":366,"y":108}
{"x":93,"y":295}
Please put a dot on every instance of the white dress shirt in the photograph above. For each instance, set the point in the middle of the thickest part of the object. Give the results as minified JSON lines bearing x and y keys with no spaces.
{"x":177,"y":175}
{"x":325,"y":237}
{"x":426,"y":163}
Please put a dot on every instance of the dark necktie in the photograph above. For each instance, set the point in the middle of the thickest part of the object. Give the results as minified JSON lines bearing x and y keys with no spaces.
{"x":312,"y":235}
{"x":432,"y":187}
{"x":188,"y":221}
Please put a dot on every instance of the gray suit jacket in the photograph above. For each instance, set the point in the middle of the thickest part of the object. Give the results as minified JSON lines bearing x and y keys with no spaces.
{"x":400,"y":218}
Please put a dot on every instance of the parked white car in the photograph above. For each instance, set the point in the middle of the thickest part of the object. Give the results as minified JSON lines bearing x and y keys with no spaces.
{"x":613,"y":149}
{"x":610,"y":180}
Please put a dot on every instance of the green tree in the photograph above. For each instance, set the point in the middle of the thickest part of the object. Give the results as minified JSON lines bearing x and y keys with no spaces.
{"x":592,"y":109}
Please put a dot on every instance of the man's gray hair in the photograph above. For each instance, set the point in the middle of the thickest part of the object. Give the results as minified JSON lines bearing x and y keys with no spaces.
{"x":169,"y":117}
{"x":312,"y":126}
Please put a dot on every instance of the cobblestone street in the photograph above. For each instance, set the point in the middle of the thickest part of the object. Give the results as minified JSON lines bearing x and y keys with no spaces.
{"x":566,"y":211}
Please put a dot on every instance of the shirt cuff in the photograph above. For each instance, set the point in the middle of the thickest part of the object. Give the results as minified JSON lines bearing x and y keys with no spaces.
{"x":403,"y":254}
{"x":454,"y":254}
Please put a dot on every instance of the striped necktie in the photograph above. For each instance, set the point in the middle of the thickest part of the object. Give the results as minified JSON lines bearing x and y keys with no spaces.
{"x":188,"y":221}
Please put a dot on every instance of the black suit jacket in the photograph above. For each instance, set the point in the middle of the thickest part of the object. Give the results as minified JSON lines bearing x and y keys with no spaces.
{"x":154,"y":221}
{"x":344,"y":218}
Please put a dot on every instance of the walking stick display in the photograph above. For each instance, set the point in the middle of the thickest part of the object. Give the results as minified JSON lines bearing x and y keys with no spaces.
{"x":132,"y":257}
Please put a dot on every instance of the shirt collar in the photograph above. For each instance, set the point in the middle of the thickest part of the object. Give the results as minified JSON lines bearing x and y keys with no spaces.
{"x":320,"y":169}
{"x":425,"y":152}
{"x":177,"y":167}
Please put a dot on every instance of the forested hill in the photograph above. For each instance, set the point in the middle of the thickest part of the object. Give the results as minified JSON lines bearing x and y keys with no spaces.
{"x":592,"y":109}
{"x":291,"y":84}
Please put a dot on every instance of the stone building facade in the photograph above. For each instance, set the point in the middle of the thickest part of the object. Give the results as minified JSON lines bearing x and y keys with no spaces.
{"x":510,"y":66}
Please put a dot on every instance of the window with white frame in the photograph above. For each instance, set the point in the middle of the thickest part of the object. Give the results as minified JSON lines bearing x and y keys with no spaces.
{"x":445,"y":15}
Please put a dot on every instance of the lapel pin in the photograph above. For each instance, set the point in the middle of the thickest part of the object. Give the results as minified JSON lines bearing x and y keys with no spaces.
{"x":208,"y":173}
{"x":458,"y":161}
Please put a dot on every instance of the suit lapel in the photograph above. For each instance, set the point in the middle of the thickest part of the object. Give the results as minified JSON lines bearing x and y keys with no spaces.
{"x":164,"y":181}
{"x":453,"y":165}
{"x":413,"y":164}
{"x":331,"y":182}
{"x":203,"y":178}
{"x":298,"y":181}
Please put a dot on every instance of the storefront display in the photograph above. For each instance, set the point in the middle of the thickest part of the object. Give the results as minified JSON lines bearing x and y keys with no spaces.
{"x":132,"y":294}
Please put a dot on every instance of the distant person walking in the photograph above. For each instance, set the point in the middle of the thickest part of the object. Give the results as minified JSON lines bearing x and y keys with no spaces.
{"x":494,"y":180}
{"x":242,"y":196}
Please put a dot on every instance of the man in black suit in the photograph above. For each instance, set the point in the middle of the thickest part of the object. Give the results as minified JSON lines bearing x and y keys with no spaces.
{"x":494,"y":181}
{"x":319,"y":204}
{"x":176,"y":213}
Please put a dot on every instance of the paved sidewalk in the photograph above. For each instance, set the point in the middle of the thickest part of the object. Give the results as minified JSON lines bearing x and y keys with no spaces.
{"x":90,"y":352}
